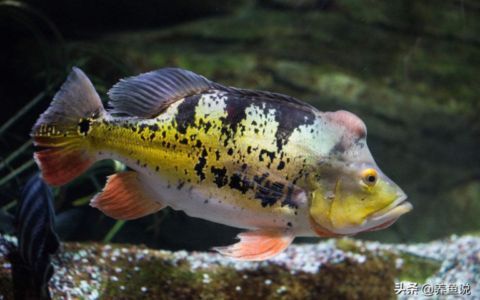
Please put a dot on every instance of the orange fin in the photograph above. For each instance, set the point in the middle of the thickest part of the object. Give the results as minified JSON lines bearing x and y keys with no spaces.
{"x":258,"y":245}
{"x":61,"y":165}
{"x":125,"y":197}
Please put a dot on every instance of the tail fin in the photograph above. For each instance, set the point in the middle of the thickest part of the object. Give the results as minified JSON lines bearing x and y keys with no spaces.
{"x":63,"y":128}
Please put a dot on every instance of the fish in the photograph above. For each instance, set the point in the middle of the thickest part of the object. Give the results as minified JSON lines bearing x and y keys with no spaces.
{"x":261,"y":161}
{"x":37,"y":242}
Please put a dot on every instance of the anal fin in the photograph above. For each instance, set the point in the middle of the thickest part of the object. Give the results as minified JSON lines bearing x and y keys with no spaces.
{"x":258,"y":245}
{"x":126,"y":197}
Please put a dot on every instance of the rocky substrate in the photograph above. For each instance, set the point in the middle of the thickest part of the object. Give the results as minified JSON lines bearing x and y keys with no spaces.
{"x":333,"y":269}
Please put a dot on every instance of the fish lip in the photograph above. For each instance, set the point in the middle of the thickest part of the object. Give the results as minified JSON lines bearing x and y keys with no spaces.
{"x":399,"y":207}
{"x":389,"y":215}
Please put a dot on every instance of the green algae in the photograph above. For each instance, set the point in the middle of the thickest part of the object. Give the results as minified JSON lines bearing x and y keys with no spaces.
{"x":163,"y":279}
{"x":416,"y":268}
{"x":409,"y":267}
{"x":130,"y":272}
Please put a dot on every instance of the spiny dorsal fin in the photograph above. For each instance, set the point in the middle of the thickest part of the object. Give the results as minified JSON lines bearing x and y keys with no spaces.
{"x":148,"y":94}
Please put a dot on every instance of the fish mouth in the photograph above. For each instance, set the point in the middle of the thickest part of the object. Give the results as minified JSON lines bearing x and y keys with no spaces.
{"x":387,"y":216}
{"x":397,"y":206}
{"x":376,"y":221}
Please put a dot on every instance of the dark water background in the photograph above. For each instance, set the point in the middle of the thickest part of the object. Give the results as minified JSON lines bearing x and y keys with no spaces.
{"x":410,"y":69}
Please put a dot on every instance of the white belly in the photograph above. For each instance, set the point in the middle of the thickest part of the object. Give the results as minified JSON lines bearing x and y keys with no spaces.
{"x":198,"y":202}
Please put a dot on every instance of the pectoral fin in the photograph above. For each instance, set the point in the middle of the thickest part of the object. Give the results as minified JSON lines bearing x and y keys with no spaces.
{"x":126,"y":197}
{"x":258,"y":245}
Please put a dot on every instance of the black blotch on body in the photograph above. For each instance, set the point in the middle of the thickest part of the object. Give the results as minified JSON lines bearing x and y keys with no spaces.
{"x":84,"y":126}
{"x":186,"y":113}
{"x":153,"y":127}
{"x":269,"y":193}
{"x":180,"y":185}
{"x":288,"y":120}
{"x":288,"y":201}
{"x":281,"y":165}
{"x":290,"y":113}
{"x":263,"y":152}
{"x":202,"y":161}
{"x":235,"y":108}
{"x":220,"y":178}
{"x":141,"y":128}
{"x":226,"y":132}
{"x":240,"y":182}
{"x":206,"y":125}
{"x":259,"y":179}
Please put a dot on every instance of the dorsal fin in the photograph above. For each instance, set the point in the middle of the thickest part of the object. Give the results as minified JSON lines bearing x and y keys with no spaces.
{"x":148,"y":94}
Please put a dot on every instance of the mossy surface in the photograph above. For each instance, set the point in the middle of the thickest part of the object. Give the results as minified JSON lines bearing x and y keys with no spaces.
{"x":128,"y":272}
{"x":410,"y":267}
{"x":357,"y":270}
{"x":159,"y":276}
{"x":416,"y":268}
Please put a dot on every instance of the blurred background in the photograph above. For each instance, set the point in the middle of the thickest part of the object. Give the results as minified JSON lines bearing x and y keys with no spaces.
{"x":410,"y":69}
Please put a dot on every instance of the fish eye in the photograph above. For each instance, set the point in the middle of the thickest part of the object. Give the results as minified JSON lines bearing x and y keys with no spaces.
{"x":369,"y":176}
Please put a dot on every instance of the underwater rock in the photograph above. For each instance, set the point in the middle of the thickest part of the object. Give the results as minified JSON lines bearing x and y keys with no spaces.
{"x":302,"y":272}
{"x":333,"y":269}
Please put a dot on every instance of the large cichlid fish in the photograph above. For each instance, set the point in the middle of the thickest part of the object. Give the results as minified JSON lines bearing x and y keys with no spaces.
{"x":261,"y":161}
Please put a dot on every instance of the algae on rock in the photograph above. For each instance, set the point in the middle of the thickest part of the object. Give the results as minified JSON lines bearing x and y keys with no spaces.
{"x":302,"y":272}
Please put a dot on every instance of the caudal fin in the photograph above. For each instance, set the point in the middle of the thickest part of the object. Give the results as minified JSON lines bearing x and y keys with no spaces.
{"x":61,"y":131}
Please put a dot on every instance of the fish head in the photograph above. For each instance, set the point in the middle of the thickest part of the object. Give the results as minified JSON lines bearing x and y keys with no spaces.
{"x":351,"y":194}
